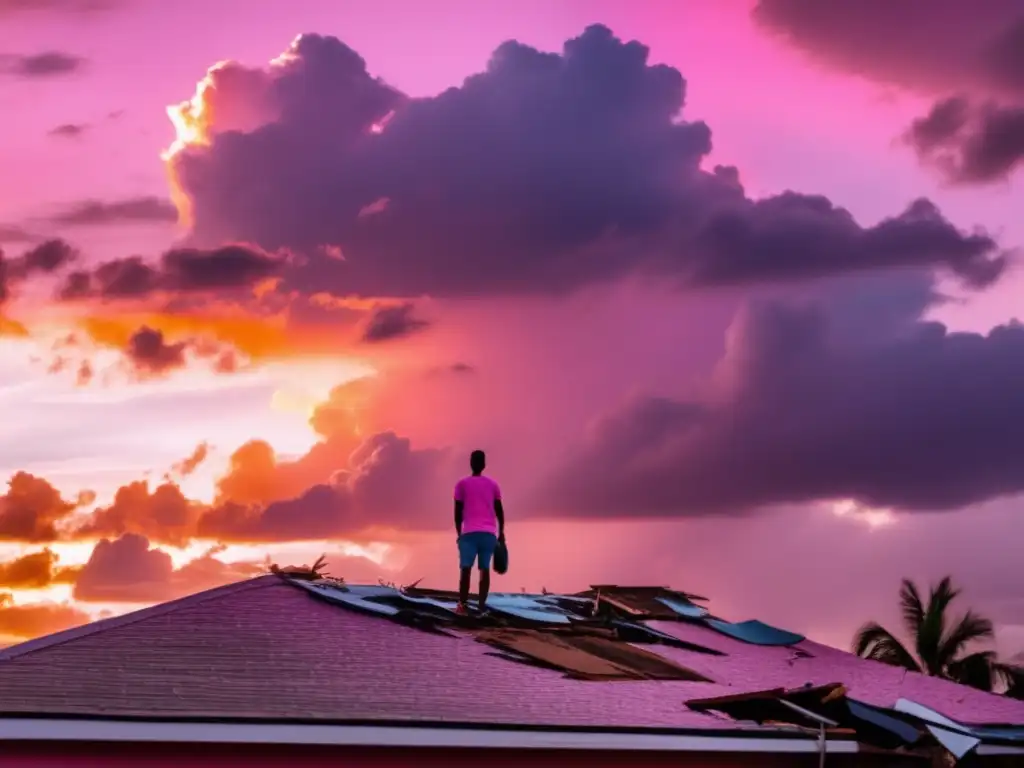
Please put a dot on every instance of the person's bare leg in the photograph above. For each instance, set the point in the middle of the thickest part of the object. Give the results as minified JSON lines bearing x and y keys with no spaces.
{"x":485,"y":586}
{"x":464,"y":576}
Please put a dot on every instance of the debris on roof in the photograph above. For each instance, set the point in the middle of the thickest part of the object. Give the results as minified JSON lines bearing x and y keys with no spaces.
{"x":588,"y":656}
{"x":615,"y":633}
{"x":756,"y":632}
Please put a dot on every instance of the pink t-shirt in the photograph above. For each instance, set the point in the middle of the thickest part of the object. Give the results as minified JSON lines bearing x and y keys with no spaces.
{"x":477,"y":494}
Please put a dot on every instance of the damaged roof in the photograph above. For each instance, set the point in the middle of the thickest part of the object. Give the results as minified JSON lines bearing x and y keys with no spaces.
{"x":294,"y":647}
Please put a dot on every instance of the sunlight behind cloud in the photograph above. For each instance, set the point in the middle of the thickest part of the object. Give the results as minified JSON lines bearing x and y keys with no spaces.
{"x":872,"y":517}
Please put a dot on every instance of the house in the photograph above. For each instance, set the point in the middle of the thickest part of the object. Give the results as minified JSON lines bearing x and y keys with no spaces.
{"x":294,"y":669}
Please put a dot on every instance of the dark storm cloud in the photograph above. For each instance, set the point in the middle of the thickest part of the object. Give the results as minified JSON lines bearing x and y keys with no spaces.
{"x":544,"y":173}
{"x":46,"y":258}
{"x":970,"y":144}
{"x":971,"y":54}
{"x":392,"y":322}
{"x":184,"y":270}
{"x":919,"y":419}
{"x":150,"y":353}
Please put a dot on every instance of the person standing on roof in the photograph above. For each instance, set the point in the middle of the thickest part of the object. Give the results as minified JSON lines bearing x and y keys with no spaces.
{"x":479,"y":526}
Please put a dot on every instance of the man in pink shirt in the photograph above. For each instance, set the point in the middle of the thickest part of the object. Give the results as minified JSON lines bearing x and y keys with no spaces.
{"x":479,"y":526}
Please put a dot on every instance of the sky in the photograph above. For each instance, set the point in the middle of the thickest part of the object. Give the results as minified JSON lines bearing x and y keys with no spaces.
{"x":727,"y":289}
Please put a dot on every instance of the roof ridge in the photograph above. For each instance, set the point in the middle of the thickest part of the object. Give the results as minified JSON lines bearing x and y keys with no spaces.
{"x":132,"y":617}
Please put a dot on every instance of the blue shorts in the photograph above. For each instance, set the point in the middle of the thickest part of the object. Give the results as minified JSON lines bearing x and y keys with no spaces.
{"x":477,"y":546}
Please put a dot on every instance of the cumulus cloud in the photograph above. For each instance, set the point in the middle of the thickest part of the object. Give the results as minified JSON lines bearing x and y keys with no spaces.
{"x":151,"y":355}
{"x":32,"y":510}
{"x":385,"y":483}
{"x":35,"y":571}
{"x":99,"y":213}
{"x":180,"y":270}
{"x":344,"y":485}
{"x":164,"y":515}
{"x":914,"y":417}
{"x":544,"y":173}
{"x":129,"y":570}
{"x":970,"y":143}
{"x":968,"y":54}
{"x":40,"y":65}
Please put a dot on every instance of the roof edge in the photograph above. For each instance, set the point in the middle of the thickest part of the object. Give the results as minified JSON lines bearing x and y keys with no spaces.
{"x":96,"y":730}
{"x":102,"y":625}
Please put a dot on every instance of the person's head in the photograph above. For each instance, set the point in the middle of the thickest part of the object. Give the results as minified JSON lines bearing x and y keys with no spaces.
{"x":477,"y":462}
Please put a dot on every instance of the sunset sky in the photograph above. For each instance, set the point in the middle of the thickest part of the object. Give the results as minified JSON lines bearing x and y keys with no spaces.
{"x":726,"y":289}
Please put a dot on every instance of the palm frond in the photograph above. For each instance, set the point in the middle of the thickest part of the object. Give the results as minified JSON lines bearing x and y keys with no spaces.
{"x":970,"y":628}
{"x":933,"y":626}
{"x":873,"y":641}
{"x":976,"y":670}
{"x":911,"y":607}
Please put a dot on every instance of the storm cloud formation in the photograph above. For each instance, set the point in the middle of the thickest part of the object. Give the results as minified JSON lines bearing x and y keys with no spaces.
{"x":181,"y":270}
{"x":969,"y":55}
{"x":392,"y":322}
{"x":150,"y":353}
{"x":46,"y":258}
{"x":385,"y":483}
{"x":544,"y":173}
{"x":914,"y":417}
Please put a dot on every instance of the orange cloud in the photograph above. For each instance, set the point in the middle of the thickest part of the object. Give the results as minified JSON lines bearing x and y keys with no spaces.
{"x":35,"y":571}
{"x":164,"y":515}
{"x":21,"y":622}
{"x":32,"y":509}
{"x":258,"y":336}
{"x":188,"y":465}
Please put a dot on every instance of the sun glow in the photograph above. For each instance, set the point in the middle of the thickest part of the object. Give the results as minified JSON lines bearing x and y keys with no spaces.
{"x":872,"y":517}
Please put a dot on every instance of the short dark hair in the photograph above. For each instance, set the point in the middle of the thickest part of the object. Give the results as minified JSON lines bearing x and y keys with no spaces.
{"x":477,"y":459}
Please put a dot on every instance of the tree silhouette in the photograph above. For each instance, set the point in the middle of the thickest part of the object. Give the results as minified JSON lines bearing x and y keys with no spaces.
{"x":941,"y":642}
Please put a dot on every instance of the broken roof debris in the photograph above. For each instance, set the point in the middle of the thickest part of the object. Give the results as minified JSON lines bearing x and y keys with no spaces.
{"x":298,"y":647}
{"x":612,"y":632}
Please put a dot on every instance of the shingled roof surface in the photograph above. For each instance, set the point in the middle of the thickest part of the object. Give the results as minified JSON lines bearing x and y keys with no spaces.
{"x":268,"y":649}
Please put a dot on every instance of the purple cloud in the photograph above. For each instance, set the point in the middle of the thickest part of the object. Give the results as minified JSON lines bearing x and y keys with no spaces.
{"x":907,"y":415}
{"x":972,"y":54}
{"x":544,"y":173}
{"x":181,"y":270}
{"x":389,"y":323}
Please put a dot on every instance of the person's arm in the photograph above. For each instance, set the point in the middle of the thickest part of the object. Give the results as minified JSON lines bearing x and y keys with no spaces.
{"x":458,"y":509}
{"x":499,"y":512}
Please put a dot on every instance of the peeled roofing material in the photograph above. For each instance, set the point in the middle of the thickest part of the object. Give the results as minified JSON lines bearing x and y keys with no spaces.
{"x":756,"y":632}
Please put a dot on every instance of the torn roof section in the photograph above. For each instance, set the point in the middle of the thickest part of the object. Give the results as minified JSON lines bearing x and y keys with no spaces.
{"x":297,"y":647}
{"x":629,"y":633}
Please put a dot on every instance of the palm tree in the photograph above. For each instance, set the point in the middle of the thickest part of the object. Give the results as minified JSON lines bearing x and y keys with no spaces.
{"x":940,"y":644}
